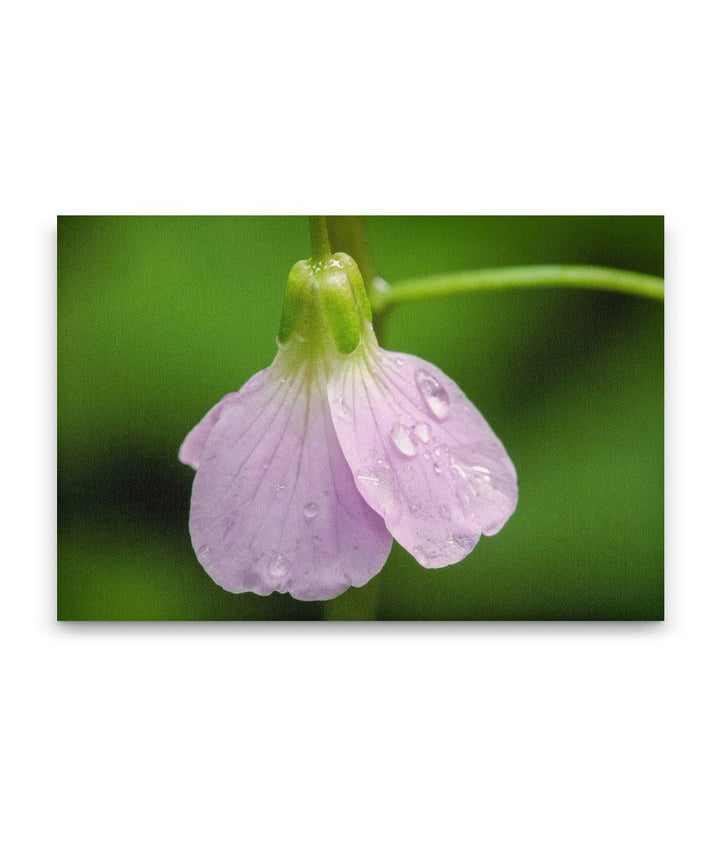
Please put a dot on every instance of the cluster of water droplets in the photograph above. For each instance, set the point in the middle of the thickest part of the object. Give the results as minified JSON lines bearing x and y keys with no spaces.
{"x":408,"y":440}
{"x":456,"y":544}
{"x":472,"y":482}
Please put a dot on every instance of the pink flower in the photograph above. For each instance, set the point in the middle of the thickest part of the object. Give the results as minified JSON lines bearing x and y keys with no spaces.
{"x":307,"y":473}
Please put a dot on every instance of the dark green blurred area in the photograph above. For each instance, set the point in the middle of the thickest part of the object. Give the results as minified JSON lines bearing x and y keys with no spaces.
{"x":159,"y":317}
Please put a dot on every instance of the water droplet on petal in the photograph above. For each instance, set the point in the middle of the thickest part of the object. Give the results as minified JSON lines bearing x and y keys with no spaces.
{"x":426,"y":455}
{"x":266,"y":464}
{"x":426,"y":553}
{"x":377,"y":484}
{"x":464,"y":543}
{"x":437,"y":468}
{"x":403,"y":441}
{"x":434,"y":395}
{"x":278,"y":567}
{"x":343,"y":410}
{"x":459,"y":472}
{"x":399,"y":361}
{"x":310,"y":510}
{"x":422,"y":429}
{"x":279,"y":488}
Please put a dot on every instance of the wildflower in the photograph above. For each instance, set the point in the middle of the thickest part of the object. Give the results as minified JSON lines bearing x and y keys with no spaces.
{"x":307,"y":473}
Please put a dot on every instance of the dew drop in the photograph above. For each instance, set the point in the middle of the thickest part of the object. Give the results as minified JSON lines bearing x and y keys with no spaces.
{"x":310,"y":510}
{"x":426,"y":553}
{"x":426,"y":455}
{"x":402,"y":440}
{"x":422,"y":429}
{"x":377,"y":485}
{"x":278,"y":567}
{"x":279,"y":488}
{"x":266,"y":464}
{"x":399,"y":361}
{"x":433,"y":393}
{"x":464,"y":543}
{"x":437,"y":468}
{"x":343,"y":410}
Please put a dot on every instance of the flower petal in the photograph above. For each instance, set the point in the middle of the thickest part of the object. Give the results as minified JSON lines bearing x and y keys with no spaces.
{"x":274,"y":506}
{"x":193,"y":445}
{"x":422,"y":455}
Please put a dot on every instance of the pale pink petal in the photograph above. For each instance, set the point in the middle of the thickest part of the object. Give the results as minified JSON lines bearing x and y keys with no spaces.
{"x":274,"y":506}
{"x":422,"y":455}
{"x":194,"y":444}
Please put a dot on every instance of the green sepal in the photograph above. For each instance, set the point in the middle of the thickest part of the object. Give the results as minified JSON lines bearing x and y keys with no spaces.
{"x":340,"y":308}
{"x":325,"y":298}
{"x":356,"y":281}
{"x":295,"y":298}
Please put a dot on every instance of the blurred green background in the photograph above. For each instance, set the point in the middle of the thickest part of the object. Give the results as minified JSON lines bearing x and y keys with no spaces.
{"x":159,"y":317}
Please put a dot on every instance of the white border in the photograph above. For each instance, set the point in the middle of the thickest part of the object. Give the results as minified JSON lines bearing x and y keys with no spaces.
{"x":502,"y":739}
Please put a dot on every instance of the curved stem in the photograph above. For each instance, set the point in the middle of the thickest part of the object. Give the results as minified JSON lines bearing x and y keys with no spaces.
{"x":532,"y":276}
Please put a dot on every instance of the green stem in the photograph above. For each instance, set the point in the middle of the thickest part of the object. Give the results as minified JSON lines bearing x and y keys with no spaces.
{"x":319,"y":239}
{"x":348,"y":235}
{"x":533,"y":276}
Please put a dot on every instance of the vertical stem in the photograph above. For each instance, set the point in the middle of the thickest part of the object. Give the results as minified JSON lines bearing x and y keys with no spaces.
{"x":319,"y":239}
{"x":348,"y":235}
